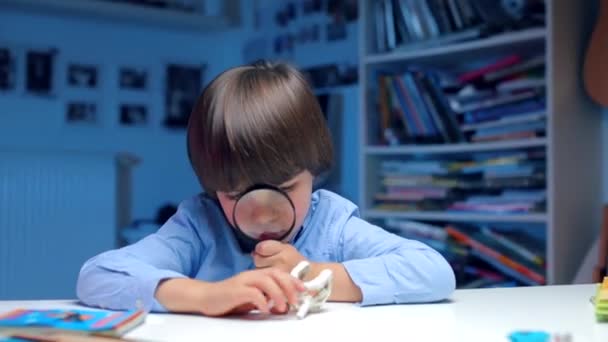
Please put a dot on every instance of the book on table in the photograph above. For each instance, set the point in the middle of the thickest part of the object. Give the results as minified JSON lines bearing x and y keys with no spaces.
{"x":20,"y":322}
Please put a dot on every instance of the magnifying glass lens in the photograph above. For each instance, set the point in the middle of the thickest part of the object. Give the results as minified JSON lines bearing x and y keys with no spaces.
{"x":264,"y":214}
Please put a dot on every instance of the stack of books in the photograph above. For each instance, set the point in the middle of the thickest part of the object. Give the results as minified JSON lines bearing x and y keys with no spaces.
{"x":501,"y":100}
{"x":492,"y":183}
{"x":413,"y":24}
{"x":482,"y":255}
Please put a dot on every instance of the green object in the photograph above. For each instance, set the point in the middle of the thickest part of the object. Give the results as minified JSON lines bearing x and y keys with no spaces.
{"x":601,"y":301}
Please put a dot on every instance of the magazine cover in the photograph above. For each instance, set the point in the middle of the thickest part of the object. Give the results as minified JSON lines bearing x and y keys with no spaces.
{"x":93,"y":322}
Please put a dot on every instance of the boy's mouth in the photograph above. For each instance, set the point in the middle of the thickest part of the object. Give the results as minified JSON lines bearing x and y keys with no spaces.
{"x":270,"y":236}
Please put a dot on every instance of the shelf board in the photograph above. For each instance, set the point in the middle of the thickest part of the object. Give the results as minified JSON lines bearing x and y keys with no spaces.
{"x":456,"y":148}
{"x":335,"y":89}
{"x":125,"y":12}
{"x":449,"y":50}
{"x":460,"y":217}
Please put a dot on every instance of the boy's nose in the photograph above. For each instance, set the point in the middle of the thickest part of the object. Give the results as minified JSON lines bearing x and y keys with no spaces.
{"x":265,"y":217}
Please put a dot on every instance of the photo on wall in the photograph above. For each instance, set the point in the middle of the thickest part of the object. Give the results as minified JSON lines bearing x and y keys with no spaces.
{"x":336,"y":30}
{"x":81,"y":113}
{"x":133,"y":78}
{"x":183,"y":84}
{"x":311,"y":6}
{"x":39,"y":72}
{"x":133,"y":115}
{"x":343,"y":10}
{"x":82,"y":76}
{"x":7,"y":69}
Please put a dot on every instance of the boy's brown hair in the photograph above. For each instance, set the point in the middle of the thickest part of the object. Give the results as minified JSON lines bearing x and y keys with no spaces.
{"x":259,"y":123}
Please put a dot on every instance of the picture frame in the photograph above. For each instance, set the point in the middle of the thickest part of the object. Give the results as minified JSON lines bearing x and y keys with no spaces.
{"x":183,"y":84}
{"x":82,"y":113}
{"x":82,"y":75}
{"x":311,"y":6}
{"x":336,"y":30}
{"x":133,"y":115}
{"x":133,"y":78}
{"x":40,"y":71}
{"x":8,"y":77}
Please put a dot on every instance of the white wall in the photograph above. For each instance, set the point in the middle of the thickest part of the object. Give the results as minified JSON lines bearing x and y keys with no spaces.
{"x":164,"y":174}
{"x":38,"y":122}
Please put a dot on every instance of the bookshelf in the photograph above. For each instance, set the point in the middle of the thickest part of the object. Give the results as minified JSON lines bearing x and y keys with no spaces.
{"x":565,"y":149}
{"x":491,"y":44}
{"x":447,"y":148}
{"x":455,"y":217}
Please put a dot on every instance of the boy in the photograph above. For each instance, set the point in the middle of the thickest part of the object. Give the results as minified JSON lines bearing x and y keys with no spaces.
{"x":261,"y":124}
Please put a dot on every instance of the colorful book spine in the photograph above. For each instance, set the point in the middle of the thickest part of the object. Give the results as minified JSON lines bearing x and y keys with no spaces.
{"x":496,"y":256}
{"x":521,"y":250}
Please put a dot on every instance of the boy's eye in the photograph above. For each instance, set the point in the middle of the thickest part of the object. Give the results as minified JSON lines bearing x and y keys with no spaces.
{"x":288,"y":188}
{"x":233,"y":196}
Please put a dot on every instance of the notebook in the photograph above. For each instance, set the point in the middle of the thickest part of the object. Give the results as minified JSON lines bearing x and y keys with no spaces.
{"x":71,"y":321}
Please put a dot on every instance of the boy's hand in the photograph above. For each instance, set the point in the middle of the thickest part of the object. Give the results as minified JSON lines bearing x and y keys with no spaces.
{"x":250,"y":290}
{"x":268,"y":290}
{"x":271,"y":253}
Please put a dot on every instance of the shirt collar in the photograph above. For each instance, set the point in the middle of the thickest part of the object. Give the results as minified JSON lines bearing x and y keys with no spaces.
{"x":314,"y":201}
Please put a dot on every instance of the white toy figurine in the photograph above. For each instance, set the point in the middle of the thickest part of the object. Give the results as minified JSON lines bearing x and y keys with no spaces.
{"x":317,"y":289}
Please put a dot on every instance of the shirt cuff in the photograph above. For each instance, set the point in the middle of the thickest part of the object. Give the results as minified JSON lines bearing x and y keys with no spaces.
{"x":371,"y":277}
{"x":146,"y":298}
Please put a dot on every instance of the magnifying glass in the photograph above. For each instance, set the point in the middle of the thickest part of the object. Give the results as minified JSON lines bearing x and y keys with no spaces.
{"x":263,"y":212}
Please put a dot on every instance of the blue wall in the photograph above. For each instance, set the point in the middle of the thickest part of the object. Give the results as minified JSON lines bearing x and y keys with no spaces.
{"x":32,"y":121}
{"x":164,"y":174}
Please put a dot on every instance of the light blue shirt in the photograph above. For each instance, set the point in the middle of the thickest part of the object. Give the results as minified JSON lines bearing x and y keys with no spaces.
{"x":197,"y":242}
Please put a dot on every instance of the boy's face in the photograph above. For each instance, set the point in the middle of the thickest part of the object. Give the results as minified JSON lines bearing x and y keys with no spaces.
{"x":299,"y":190}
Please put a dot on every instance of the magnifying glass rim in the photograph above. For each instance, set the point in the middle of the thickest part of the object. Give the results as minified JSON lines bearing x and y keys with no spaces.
{"x":263,"y":186}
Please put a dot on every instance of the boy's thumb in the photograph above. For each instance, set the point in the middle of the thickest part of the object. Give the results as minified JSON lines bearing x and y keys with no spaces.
{"x":268,"y":248}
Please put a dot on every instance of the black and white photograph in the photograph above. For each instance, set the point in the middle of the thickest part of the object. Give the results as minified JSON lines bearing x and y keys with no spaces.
{"x":81,"y":113}
{"x":133,"y":115}
{"x":311,"y":6}
{"x":290,"y":11}
{"x":308,"y":34}
{"x":336,"y":30}
{"x":133,"y":78}
{"x":39,"y":74}
{"x":182,"y":88}
{"x":345,"y":10}
{"x":284,"y":43}
{"x":7,"y":69}
{"x":82,"y":76}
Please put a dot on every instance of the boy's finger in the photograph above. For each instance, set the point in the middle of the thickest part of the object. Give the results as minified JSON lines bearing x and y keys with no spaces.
{"x":291,"y":286}
{"x":263,"y":262}
{"x":257,"y":299}
{"x":243,"y":309}
{"x":269,"y":247}
{"x":268,"y":285}
{"x":276,"y":311}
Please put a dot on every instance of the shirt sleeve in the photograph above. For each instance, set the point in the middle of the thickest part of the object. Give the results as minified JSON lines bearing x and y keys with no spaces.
{"x":127,"y":278}
{"x":390,"y":269}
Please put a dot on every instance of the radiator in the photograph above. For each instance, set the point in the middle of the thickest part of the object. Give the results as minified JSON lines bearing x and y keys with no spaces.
{"x":57,"y":209}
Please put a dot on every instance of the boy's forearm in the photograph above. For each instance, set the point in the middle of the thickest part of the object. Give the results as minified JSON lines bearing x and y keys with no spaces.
{"x":344,"y":289}
{"x":180,"y":294}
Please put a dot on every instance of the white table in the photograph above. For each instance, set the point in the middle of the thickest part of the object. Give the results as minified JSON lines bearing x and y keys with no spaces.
{"x":471,"y":315}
